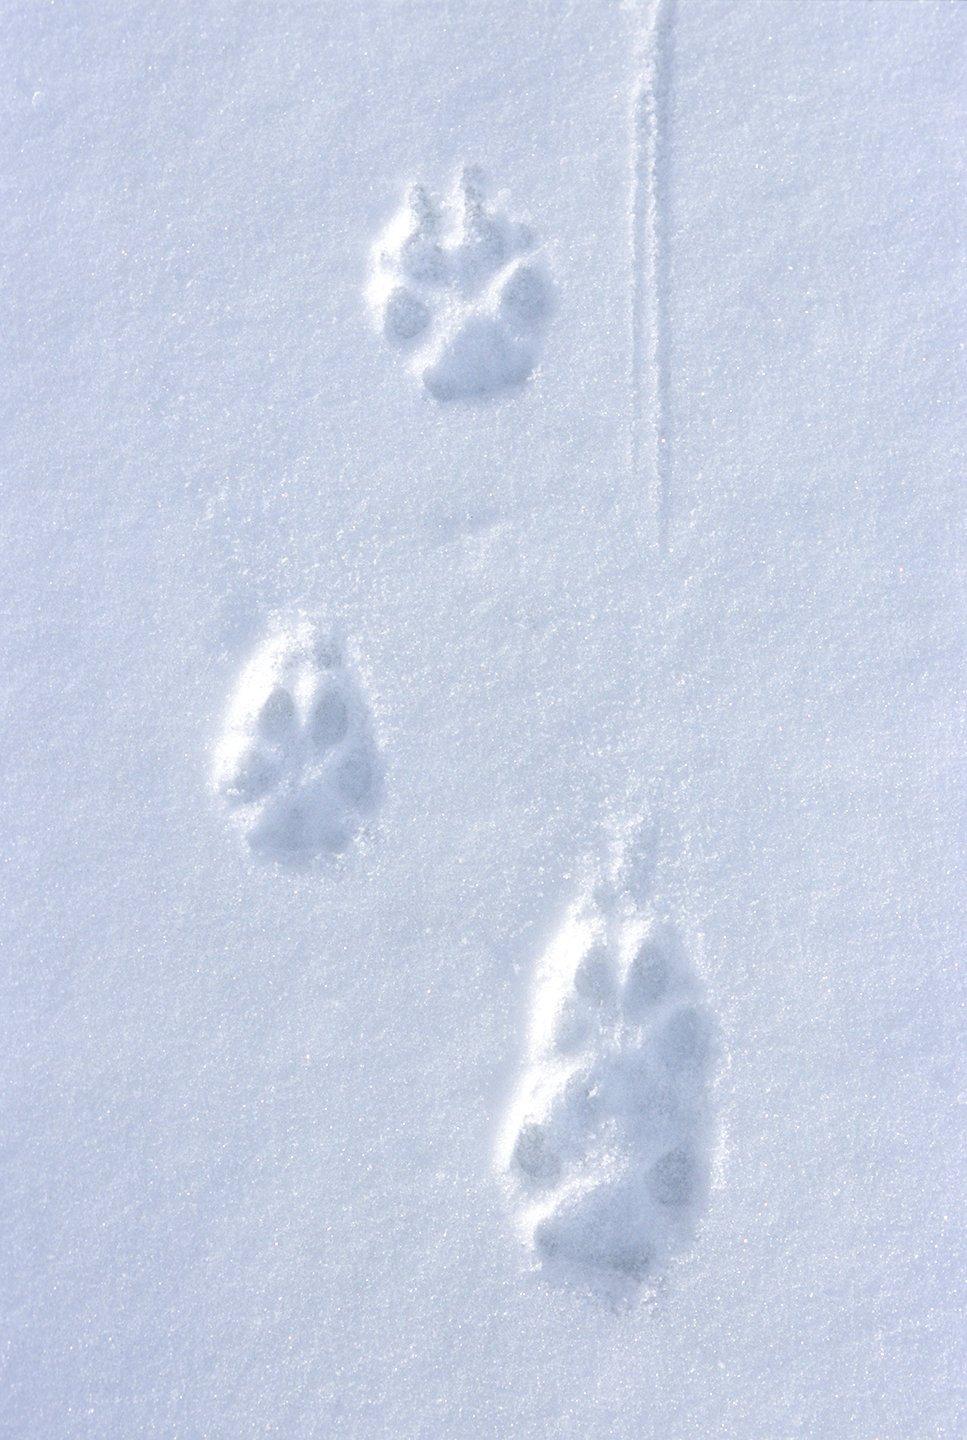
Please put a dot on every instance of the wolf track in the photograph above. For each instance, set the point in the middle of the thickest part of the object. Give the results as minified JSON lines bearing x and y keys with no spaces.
{"x":461,"y":292}
{"x":606,"y":1150}
{"x":297,"y":765}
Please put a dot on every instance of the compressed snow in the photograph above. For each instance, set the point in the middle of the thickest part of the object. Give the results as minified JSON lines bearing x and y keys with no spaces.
{"x":681,"y":571}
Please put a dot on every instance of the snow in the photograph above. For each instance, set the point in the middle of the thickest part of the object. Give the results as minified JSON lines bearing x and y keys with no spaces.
{"x":670,"y":571}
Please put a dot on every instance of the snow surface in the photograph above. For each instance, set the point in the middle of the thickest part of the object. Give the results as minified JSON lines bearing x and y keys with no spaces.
{"x":673,"y":564}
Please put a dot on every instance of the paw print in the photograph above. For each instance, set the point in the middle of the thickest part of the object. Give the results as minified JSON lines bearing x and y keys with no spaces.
{"x":606,"y":1152}
{"x":297,"y":765}
{"x":460,"y":291}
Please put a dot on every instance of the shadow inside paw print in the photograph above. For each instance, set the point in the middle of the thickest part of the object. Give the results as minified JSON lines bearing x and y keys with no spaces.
{"x":461,"y":291}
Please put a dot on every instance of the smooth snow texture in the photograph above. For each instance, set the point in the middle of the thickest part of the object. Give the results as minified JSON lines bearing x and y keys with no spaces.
{"x":251,"y":1106}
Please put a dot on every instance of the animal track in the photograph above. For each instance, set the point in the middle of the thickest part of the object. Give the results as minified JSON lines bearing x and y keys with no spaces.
{"x":461,"y":291}
{"x":297,"y":765}
{"x":607,"y":1147}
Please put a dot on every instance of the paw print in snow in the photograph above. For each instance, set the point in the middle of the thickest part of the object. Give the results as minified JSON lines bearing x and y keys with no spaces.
{"x":461,"y":291}
{"x":297,"y":765}
{"x":607,"y":1147}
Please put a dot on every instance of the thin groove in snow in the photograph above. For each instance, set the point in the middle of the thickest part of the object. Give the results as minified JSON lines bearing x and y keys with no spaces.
{"x":649,"y":199}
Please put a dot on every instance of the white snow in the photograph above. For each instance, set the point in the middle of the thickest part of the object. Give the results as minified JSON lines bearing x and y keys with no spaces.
{"x":669,"y":563}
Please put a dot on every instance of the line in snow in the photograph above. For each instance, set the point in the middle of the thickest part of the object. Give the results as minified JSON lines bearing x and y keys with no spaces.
{"x":649,"y":289}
